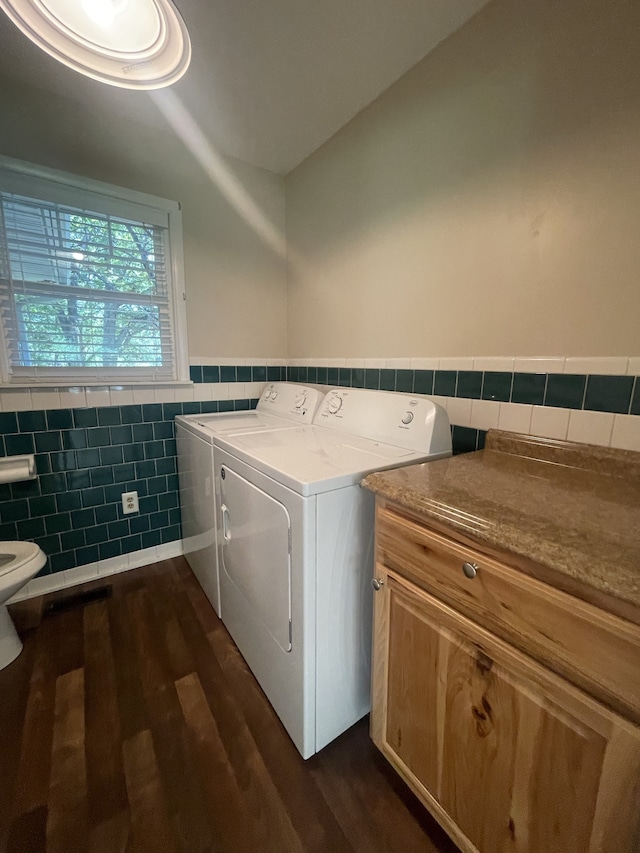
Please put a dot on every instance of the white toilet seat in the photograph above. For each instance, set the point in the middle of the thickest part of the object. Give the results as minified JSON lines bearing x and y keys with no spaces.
{"x":15,"y":555}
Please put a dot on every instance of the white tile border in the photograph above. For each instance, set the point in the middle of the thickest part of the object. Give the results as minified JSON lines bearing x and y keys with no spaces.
{"x":230,"y":361}
{"x":183,"y":395}
{"x":597,"y":366}
{"x":441,"y":401}
{"x":583,"y":365}
{"x":601,"y":428}
{"x":91,"y":396}
{"x":219,"y":391}
{"x":626,"y":432}
{"x":98,"y":396}
{"x":515,"y":417}
{"x":204,"y":391}
{"x":48,"y":398}
{"x":397,"y":363}
{"x":424,"y":363}
{"x":93,"y":571}
{"x":459,"y":411}
{"x":538,"y":365}
{"x":16,"y":400}
{"x":549,"y":422}
{"x":591,"y":427}
{"x":145,"y":394}
{"x":494,"y":364}
{"x":253,"y":390}
{"x":164,"y":395}
{"x":485,"y":414}
{"x":73,"y":398}
{"x":455,"y":363}
{"x":259,"y":362}
{"x":121,"y":396}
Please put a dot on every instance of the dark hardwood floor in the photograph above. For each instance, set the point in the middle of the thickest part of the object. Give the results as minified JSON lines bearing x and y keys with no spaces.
{"x":130,"y":722}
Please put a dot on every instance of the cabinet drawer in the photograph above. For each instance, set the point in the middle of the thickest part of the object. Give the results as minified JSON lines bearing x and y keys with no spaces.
{"x":592,"y":648}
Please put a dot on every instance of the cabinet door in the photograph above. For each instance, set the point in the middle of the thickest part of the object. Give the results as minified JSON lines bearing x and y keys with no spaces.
{"x":506,"y":755}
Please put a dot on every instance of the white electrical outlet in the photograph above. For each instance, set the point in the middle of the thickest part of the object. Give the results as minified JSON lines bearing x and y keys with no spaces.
{"x":129,"y":502}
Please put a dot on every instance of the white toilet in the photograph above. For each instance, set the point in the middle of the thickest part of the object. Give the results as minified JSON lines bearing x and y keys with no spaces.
{"x":19,"y":562}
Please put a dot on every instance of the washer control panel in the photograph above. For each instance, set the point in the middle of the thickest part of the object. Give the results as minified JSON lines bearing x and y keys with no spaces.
{"x":289,"y":400}
{"x":404,"y":420}
{"x":270,"y":394}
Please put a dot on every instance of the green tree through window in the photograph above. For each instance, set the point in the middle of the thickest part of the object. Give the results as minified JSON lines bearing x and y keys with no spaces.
{"x":91,"y":281}
{"x":94,"y":268}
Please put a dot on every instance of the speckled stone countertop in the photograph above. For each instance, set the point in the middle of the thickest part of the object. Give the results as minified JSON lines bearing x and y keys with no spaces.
{"x":573,"y":509}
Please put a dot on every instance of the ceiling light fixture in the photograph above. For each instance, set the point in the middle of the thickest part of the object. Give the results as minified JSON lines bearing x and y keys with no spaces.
{"x":134,"y":44}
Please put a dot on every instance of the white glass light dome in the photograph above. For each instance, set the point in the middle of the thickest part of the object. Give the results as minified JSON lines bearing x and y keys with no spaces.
{"x":134,"y":44}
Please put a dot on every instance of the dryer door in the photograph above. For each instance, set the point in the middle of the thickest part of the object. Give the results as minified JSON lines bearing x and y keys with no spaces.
{"x":256,"y":537}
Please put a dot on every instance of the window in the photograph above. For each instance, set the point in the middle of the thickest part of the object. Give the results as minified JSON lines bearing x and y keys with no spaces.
{"x":91,"y":285}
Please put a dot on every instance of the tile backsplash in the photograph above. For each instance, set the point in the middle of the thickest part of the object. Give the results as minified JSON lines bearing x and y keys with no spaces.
{"x":92,"y":444}
{"x":85,"y":459}
{"x":613,"y":394}
{"x":509,"y":393}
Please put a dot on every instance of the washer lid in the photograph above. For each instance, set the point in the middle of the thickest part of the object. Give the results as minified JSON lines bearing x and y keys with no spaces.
{"x":233,"y":423}
{"x":14,"y":555}
{"x":311,"y":460}
{"x":282,"y":405}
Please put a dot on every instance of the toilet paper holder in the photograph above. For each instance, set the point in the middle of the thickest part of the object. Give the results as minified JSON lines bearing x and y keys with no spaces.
{"x":13,"y":469}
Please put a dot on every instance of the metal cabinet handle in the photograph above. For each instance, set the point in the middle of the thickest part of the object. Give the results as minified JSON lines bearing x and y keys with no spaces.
{"x":377,"y":583}
{"x":470,"y":570}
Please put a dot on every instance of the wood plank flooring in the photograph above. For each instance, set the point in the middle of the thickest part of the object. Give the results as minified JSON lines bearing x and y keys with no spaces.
{"x":131,"y":724}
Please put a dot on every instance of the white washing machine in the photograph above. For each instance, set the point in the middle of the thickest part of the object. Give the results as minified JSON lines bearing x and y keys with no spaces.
{"x":282,"y":405}
{"x":295,"y":550}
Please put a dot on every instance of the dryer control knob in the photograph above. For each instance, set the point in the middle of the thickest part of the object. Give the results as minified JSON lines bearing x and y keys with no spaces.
{"x":301,"y":399}
{"x":335,"y":404}
{"x":407,"y":418}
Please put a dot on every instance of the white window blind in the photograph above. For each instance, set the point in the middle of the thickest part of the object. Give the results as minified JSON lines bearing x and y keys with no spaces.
{"x":85,"y":295}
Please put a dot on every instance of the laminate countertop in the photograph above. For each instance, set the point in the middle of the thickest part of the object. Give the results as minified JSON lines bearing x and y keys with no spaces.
{"x":568,"y":512}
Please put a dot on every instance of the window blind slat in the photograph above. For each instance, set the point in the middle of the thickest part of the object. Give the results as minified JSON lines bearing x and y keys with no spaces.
{"x":83,"y":291}
{"x":55,"y":192}
{"x":47,"y":290}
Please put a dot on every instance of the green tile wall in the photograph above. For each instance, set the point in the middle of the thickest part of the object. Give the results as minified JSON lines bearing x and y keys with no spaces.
{"x":619,"y":394}
{"x":239,"y":373}
{"x":85,"y":459}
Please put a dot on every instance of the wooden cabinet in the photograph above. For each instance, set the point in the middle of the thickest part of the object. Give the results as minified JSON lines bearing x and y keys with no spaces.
{"x":508,"y":754}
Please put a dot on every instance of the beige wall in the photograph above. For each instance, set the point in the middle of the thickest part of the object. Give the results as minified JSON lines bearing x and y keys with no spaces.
{"x":236,"y":286}
{"x":486,"y":204}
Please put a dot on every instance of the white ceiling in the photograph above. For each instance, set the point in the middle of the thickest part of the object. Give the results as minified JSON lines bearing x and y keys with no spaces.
{"x":270,"y":80}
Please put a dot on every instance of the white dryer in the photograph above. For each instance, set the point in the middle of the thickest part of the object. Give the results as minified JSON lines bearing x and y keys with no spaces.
{"x":282,"y":405}
{"x":295,"y":550}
